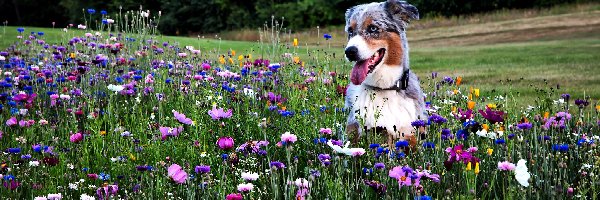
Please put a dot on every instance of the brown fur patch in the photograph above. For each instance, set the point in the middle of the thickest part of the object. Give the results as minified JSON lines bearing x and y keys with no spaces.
{"x":394,"y":50}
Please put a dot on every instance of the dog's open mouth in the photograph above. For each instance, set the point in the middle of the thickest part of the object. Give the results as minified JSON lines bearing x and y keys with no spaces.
{"x":363,"y":67}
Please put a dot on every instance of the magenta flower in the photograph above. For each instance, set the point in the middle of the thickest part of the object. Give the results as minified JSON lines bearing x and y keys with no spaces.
{"x":457,"y":153}
{"x":225,"y":143}
{"x":76,"y":138}
{"x":11,"y":122}
{"x":234,"y":196}
{"x":402,"y":174}
{"x":287,"y":137}
{"x":217,"y":114}
{"x":181,"y":118}
{"x":177,"y":174}
{"x":493,"y":116}
{"x":168,"y":131}
{"x":506,"y":166}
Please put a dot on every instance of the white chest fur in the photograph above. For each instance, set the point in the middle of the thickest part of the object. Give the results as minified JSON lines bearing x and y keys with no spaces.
{"x":390,"y":109}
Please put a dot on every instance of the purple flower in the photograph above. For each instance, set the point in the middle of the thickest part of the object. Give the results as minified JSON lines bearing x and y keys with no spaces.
{"x":202,"y":169}
{"x":493,"y":116}
{"x":582,"y":103}
{"x":377,"y":186}
{"x":225,"y":143}
{"x":76,"y":138}
{"x":418,"y":123}
{"x":437,"y":119}
{"x":524,"y":126}
{"x":11,"y":122}
{"x":107,"y":191}
{"x":217,"y":114}
{"x":379,"y":166}
{"x":181,"y":118}
{"x":276,"y":165}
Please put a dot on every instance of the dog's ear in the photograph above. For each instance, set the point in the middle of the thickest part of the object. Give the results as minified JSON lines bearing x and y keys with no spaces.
{"x":349,"y":13}
{"x":400,"y":10}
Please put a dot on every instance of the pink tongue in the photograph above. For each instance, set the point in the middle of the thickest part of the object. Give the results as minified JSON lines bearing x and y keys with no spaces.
{"x":359,"y":72}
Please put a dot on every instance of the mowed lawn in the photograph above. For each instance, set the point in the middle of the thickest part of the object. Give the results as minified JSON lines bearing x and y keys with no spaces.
{"x":523,"y":71}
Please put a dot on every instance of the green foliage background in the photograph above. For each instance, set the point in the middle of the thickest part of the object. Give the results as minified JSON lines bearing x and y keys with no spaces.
{"x":182,"y":17}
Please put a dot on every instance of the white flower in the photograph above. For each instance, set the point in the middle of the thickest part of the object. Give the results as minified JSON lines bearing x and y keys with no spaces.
{"x":2,"y":58}
{"x":248,"y":92}
{"x":491,"y":135}
{"x":73,"y":186}
{"x":115,"y":88}
{"x":521,"y":173}
{"x":34,"y":163}
{"x":86,"y":197}
{"x":65,"y":97}
{"x":249,"y":176}
{"x":81,"y":26}
{"x":70,"y":166}
{"x":346,"y":150}
{"x":110,"y":21}
{"x":302,"y":183}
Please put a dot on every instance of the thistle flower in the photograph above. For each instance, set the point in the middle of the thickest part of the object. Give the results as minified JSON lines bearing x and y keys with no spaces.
{"x":506,"y":166}
{"x":288,"y":138}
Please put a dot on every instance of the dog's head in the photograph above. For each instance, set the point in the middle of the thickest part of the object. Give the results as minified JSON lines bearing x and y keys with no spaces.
{"x":377,"y":41}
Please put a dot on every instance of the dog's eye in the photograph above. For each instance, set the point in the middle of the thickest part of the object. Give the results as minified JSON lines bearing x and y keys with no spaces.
{"x":350,"y":32}
{"x":372,"y":29}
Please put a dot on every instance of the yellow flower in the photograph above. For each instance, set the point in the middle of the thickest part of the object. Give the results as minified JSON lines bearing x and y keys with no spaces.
{"x":492,"y":106}
{"x":470,"y":97}
{"x":231,"y":61}
{"x":458,"y":80}
{"x":468,"y":166}
{"x":295,"y":42}
{"x":249,"y":56}
{"x":546,"y":115}
{"x":302,"y":64}
{"x":232,"y":52}
{"x":102,"y":132}
{"x":72,"y":55}
{"x":221,"y":59}
{"x":476,"y":91}
{"x":485,"y":127}
{"x":453,"y":109}
{"x":240,"y":58}
{"x":131,"y":157}
{"x":490,"y":151}
{"x":455,"y":91}
{"x":471,"y":105}
{"x":296,"y":60}
{"x":477,"y":168}
{"x":598,"y":108}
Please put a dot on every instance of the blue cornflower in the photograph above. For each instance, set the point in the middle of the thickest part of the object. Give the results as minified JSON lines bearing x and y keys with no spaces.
{"x":500,"y":141}
{"x":326,"y":36}
{"x":91,"y":11}
{"x":373,"y":146}
{"x":430,"y":145}
{"x":103,"y":176}
{"x":401,"y":143}
{"x":103,"y":12}
{"x":14,"y":150}
{"x":560,"y":147}
{"x":367,"y":170}
{"x":423,"y":197}
{"x":20,"y":29}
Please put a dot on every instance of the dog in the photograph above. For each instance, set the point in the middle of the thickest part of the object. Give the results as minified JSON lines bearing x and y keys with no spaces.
{"x":383,"y":94}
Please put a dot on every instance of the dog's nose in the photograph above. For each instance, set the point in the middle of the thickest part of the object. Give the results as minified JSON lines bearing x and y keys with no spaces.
{"x":352,"y":53}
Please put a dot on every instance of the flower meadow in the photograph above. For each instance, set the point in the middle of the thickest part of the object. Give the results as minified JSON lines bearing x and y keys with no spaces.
{"x":113,"y":112}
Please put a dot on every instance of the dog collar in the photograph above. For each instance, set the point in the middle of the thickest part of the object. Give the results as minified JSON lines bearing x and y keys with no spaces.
{"x":401,"y":84}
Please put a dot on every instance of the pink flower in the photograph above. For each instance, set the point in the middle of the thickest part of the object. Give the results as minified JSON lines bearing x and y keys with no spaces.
{"x":288,"y":137}
{"x":234,"y":196}
{"x":357,"y":151}
{"x":181,"y":118}
{"x":76,"y":138}
{"x":247,"y":187}
{"x":217,"y":114}
{"x":205,"y":66}
{"x":225,"y":143}
{"x":177,"y":174}
{"x":506,"y":166}
{"x":12,"y":121}
{"x":325,"y":131}
{"x":302,"y":183}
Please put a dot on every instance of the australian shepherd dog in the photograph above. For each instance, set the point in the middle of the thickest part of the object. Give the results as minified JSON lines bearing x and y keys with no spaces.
{"x":384,"y":95}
